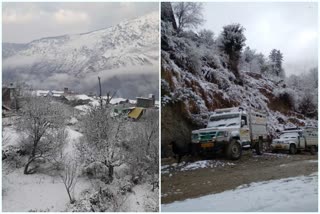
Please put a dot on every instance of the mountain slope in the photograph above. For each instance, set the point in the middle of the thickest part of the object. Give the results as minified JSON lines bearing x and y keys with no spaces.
{"x":129,"y":44}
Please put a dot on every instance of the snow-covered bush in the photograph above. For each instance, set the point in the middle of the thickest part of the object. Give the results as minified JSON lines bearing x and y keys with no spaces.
{"x":193,"y":60}
{"x":206,"y":37}
{"x":13,"y":156}
{"x":106,"y":199}
{"x":307,"y":106}
{"x":143,"y":160}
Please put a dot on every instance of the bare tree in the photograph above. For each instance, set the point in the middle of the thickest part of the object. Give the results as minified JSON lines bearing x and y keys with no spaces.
{"x":101,"y":142}
{"x":69,"y":175}
{"x":41,"y":119}
{"x":188,"y":14}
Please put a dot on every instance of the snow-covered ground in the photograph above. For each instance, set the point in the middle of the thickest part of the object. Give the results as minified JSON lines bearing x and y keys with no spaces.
{"x":142,"y":199}
{"x":39,"y":191}
{"x":295,"y":194}
{"x":22,"y":193}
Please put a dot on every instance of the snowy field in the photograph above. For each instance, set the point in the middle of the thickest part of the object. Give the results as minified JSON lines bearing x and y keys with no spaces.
{"x":295,"y":194}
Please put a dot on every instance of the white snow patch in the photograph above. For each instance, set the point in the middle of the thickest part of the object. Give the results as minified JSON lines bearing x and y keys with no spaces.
{"x":278,"y":155}
{"x":205,"y":164}
{"x":83,"y":108}
{"x":73,"y":138}
{"x":183,"y":166}
{"x":10,"y":137}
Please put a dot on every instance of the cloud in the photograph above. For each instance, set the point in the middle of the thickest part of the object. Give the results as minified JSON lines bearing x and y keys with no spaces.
{"x":69,"y":17}
{"x":10,"y":16}
{"x":48,"y":19}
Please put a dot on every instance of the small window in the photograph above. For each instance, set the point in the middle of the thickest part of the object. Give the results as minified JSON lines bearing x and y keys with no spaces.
{"x":245,"y":119}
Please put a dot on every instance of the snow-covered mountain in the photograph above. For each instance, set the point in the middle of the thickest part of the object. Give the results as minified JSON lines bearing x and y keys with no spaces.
{"x":133,"y":43}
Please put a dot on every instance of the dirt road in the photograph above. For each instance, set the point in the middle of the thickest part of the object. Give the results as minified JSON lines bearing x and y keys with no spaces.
{"x":203,"y":177}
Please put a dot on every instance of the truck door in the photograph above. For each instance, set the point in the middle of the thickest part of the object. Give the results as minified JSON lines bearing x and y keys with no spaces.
{"x":301,"y":141}
{"x":244,"y":130}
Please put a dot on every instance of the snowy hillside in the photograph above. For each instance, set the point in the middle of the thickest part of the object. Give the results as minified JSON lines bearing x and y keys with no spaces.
{"x":196,"y":79}
{"x":127,"y":48}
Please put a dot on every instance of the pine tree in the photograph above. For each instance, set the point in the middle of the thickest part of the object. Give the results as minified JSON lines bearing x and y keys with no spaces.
{"x":276,"y":58}
{"x":232,"y":40}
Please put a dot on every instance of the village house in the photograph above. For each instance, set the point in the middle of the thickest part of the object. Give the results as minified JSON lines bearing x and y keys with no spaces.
{"x":146,"y":102}
{"x":9,"y":97}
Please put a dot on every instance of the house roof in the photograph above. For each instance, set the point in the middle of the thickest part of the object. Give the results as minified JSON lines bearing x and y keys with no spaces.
{"x":135,"y":113}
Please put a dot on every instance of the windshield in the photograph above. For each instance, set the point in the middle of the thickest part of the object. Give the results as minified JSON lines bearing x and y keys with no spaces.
{"x":229,"y":120}
{"x":289,"y":136}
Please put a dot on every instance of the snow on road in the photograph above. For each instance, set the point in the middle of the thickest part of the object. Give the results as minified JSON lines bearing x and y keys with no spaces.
{"x":183,"y":166}
{"x":295,"y":194}
{"x":276,"y":155}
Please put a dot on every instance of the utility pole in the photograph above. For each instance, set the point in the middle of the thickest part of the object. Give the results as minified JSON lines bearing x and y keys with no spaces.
{"x":100,"y":95}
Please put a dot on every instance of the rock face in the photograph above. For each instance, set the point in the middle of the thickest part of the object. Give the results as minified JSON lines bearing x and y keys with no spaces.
{"x":125,"y":49}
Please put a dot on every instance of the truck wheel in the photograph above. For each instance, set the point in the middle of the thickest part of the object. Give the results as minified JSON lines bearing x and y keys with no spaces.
{"x":259,"y":147}
{"x":292,"y":149}
{"x":313,"y":150}
{"x":234,"y":150}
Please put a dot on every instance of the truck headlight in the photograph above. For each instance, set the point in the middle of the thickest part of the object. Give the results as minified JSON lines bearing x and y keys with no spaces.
{"x":195,"y":137}
{"x":221,"y":134}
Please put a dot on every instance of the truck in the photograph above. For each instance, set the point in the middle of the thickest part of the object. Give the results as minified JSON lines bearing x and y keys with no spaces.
{"x":296,"y":140}
{"x":231,"y":130}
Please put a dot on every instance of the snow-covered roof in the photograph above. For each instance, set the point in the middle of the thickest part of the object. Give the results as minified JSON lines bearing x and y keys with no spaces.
{"x":78,"y":97}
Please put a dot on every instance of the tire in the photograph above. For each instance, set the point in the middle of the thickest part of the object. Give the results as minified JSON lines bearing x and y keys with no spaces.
{"x":259,"y":147}
{"x":274,"y":151}
{"x":313,"y":150}
{"x":292,"y":149}
{"x":234,"y":150}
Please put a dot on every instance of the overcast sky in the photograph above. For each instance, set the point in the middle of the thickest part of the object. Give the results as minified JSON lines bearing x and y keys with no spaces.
{"x":289,"y":27}
{"x":24,"y":22}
